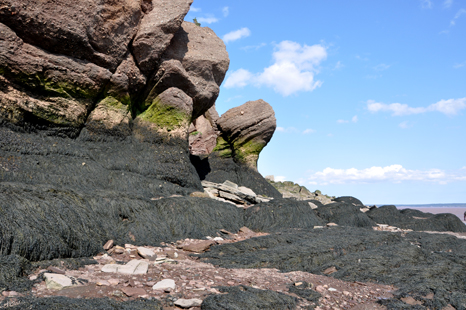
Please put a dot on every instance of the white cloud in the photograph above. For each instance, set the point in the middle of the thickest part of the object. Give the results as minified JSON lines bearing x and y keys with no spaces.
{"x":448,"y":107}
{"x":404,"y":125}
{"x":236,"y":35}
{"x":382,"y":67}
{"x":238,"y":78}
{"x":253,"y":47}
{"x":308,"y":131}
{"x":207,"y":20}
{"x":226,"y":11}
{"x":194,"y":9}
{"x":447,"y":3}
{"x":342,"y":121}
{"x":459,"y":65}
{"x":458,"y":15}
{"x":293,"y":70}
{"x":426,"y":4}
{"x":338,"y":65}
{"x":288,"y":129}
{"x":355,"y":119}
{"x":280,"y":178}
{"x":393,"y":173}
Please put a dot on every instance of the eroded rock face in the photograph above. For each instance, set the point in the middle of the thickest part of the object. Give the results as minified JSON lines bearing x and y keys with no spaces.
{"x":203,"y":133}
{"x":156,"y":31}
{"x":246,"y":130}
{"x":95,"y":30}
{"x":196,"y":61}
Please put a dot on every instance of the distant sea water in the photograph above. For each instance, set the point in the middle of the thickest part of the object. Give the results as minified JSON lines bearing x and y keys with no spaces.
{"x":457,"y":209}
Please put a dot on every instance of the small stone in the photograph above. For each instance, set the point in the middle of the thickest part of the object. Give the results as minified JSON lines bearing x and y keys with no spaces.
{"x":133,"y":291}
{"x":113,"y":281}
{"x":33,"y":277}
{"x":332,"y":289}
{"x":188,"y":303}
{"x":108,"y":245}
{"x":119,"y":250}
{"x":298,"y":283}
{"x":411,"y":301}
{"x":320,"y":289}
{"x":146,"y":252}
{"x":103,"y":283}
{"x":332,"y":224}
{"x":55,"y":270}
{"x":199,"y":246}
{"x":330,"y":270}
{"x":346,"y":293}
{"x":165,"y":284}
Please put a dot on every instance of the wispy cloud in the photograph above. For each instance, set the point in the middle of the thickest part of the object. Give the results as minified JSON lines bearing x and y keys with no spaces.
{"x":236,"y":35}
{"x":447,"y":4}
{"x":460,"y":65}
{"x":354,"y":119}
{"x":208,"y":20}
{"x":253,"y":47}
{"x":426,"y":4}
{"x":448,"y":107}
{"x":392,"y":173}
{"x":458,"y":15}
{"x":194,"y":9}
{"x":238,"y":78}
{"x":295,"y":130}
{"x":293,"y":70}
{"x":404,"y":125}
{"x":382,"y":67}
{"x":226,"y":11}
{"x":338,"y":65}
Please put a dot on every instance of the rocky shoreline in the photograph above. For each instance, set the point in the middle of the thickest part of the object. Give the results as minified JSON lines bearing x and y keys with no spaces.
{"x":122,"y":188}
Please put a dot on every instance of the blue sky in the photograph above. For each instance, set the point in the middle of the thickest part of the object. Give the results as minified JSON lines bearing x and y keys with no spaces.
{"x":369,"y":96}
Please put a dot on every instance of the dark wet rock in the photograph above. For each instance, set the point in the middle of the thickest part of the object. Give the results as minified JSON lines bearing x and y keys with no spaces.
{"x":416,"y":220}
{"x":344,"y":214}
{"x":350,"y":200}
{"x":245,"y":297}
{"x":218,"y":169}
{"x":279,"y":214}
{"x":60,"y":303}
{"x":417,"y":263}
{"x":156,"y":30}
{"x":245,"y":131}
{"x":35,"y":220}
{"x":97,"y":31}
{"x":196,"y":61}
{"x":13,"y":268}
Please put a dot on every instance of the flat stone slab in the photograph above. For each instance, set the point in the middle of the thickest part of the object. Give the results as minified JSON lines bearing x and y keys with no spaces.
{"x":166,"y":284}
{"x":55,"y":281}
{"x":133,"y":267}
{"x":146,"y":252}
{"x":188,"y":303}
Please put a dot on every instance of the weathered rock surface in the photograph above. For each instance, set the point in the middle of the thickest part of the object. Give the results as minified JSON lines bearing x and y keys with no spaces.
{"x":231,"y":192}
{"x":97,"y":31}
{"x":203,"y":133}
{"x":293,"y":190}
{"x":157,"y":30}
{"x":196,"y":61}
{"x":245,"y":131}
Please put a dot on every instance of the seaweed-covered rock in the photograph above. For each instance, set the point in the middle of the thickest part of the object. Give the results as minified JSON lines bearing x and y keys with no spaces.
{"x":344,"y":214}
{"x":416,"y":220}
{"x":40,"y":222}
{"x":245,"y":131}
{"x":60,"y":303}
{"x":417,"y":263}
{"x":13,"y":268}
{"x":279,"y":214}
{"x":245,"y":297}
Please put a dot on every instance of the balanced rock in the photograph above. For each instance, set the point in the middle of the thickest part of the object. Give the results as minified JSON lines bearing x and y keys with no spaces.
{"x":246,"y":130}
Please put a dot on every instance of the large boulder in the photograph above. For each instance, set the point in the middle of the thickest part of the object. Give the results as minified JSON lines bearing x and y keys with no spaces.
{"x":95,"y":30}
{"x":40,"y":87}
{"x":246,"y":130}
{"x":196,"y":61}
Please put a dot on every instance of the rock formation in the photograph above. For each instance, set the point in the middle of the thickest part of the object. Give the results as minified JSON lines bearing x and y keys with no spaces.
{"x":245,"y":131}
